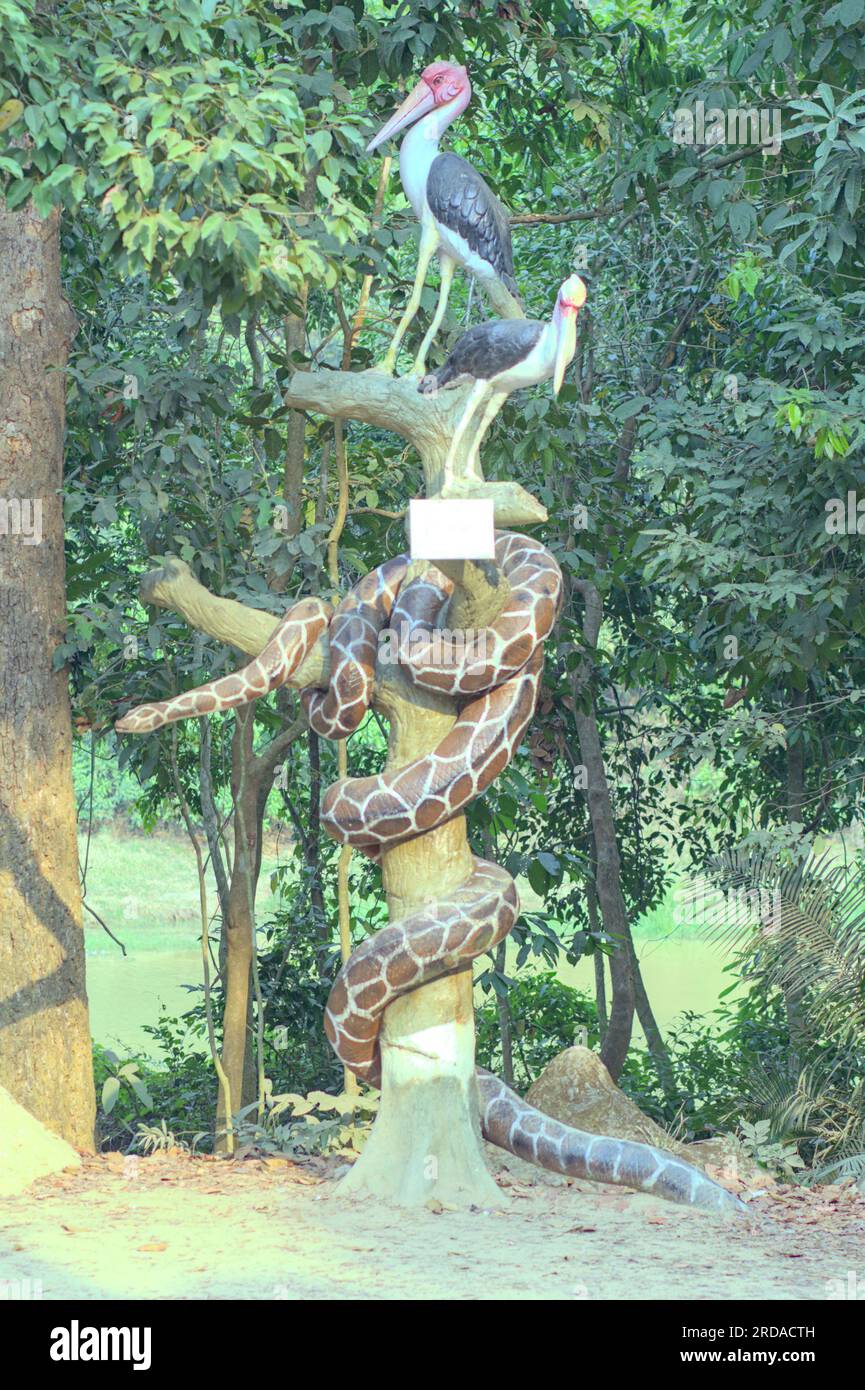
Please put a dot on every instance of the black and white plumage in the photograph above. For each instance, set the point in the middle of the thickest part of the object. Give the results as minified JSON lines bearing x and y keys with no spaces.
{"x":486,"y":351}
{"x":462,"y":201}
{"x":504,"y":356}
{"x":461,"y":219}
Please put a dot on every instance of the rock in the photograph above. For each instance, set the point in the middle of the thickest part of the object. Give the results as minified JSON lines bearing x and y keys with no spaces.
{"x":576,"y":1088}
{"x":27,"y":1149}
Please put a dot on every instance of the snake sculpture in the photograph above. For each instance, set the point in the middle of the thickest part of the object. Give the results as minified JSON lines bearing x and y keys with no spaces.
{"x":495,"y":681}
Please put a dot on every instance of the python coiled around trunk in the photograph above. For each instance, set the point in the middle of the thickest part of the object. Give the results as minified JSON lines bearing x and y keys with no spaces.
{"x":495,"y":678}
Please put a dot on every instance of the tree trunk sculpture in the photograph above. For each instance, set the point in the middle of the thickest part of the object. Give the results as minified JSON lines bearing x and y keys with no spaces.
{"x":401,"y":1012}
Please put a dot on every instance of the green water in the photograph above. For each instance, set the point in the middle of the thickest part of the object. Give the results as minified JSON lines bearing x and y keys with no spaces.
{"x":146,"y":890}
{"x":679,"y":974}
{"x":127,"y":993}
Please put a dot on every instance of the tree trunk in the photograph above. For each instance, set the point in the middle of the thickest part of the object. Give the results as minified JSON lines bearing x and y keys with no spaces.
{"x":598,"y":957}
{"x":794,"y":999}
{"x":503,"y":1008}
{"x":608,"y":869}
{"x":654,"y":1037}
{"x":426,"y":1140}
{"x":239,"y":929}
{"x":45,"y":1048}
{"x":612,"y":903}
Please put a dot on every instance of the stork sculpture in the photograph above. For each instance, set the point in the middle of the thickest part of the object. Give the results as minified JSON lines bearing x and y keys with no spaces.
{"x":502,"y":357}
{"x":460,"y":216}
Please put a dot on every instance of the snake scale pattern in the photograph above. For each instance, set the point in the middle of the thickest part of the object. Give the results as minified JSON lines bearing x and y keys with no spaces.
{"x":495,"y":681}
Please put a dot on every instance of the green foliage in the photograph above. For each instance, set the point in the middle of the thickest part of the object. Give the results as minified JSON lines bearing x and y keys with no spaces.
{"x":104,"y":792}
{"x":715,"y":1062}
{"x":777,"y":1157}
{"x":191,"y":129}
{"x":317,"y":1123}
{"x":177,"y":1090}
{"x":121,"y":1075}
{"x":802,"y":942}
{"x":546,"y":1017}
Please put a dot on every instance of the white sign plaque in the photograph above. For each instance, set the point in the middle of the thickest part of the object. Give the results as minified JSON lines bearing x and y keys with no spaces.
{"x":452,"y":528}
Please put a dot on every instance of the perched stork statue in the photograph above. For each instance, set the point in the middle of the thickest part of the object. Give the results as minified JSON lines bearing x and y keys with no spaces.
{"x":501,"y":357}
{"x":460,"y":216}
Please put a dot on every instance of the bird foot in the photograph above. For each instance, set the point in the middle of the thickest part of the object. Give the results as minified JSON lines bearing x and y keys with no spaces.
{"x":448,"y":480}
{"x":387,"y":365}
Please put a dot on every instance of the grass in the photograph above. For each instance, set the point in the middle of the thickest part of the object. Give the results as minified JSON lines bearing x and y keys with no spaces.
{"x":145,"y":888}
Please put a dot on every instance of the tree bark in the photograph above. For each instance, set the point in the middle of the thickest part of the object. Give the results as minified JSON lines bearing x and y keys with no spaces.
{"x":426,"y":1143}
{"x":608,"y":876}
{"x":237,"y":1049}
{"x":45,"y":1047}
{"x":612,"y":903}
{"x":597,"y":955}
{"x":503,"y":1009}
{"x":654,"y":1037}
{"x":794,"y":999}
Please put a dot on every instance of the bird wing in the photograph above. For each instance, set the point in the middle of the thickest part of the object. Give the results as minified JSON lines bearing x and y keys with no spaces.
{"x":459,"y":198}
{"x":489,"y":348}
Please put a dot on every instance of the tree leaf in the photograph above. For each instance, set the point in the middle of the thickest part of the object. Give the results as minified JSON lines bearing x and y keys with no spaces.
{"x":110,"y":1092}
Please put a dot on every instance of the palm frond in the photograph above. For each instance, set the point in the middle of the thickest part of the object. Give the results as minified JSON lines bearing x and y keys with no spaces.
{"x":803,"y":921}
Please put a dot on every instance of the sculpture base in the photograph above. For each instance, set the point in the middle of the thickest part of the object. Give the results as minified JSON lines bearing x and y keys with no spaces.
{"x":512,"y":505}
{"x":425,"y":1145}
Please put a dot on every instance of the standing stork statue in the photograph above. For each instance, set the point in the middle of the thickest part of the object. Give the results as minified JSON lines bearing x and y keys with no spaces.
{"x":460,"y":216}
{"x":502,"y":357}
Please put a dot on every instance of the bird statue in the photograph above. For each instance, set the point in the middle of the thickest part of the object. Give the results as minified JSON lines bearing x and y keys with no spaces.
{"x":460,"y":216}
{"x":503,"y":356}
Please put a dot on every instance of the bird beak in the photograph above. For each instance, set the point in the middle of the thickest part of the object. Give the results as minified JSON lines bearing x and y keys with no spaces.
{"x":567,"y":346}
{"x":572,"y":297}
{"x":417,"y":104}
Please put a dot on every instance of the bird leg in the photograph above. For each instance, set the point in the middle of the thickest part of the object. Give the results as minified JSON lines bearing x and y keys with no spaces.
{"x":476,"y":395}
{"x":493,"y":406}
{"x":448,"y":266}
{"x":428,"y":243}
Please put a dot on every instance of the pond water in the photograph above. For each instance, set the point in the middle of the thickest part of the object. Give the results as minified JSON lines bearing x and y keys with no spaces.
{"x":128,"y":992}
{"x":145,"y":888}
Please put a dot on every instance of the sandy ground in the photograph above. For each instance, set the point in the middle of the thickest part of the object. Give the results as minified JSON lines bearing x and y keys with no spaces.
{"x":172,"y":1227}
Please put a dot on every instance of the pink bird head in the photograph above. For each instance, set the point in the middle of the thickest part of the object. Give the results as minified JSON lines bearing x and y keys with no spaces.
{"x":446,"y":81}
{"x":443,"y":85}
